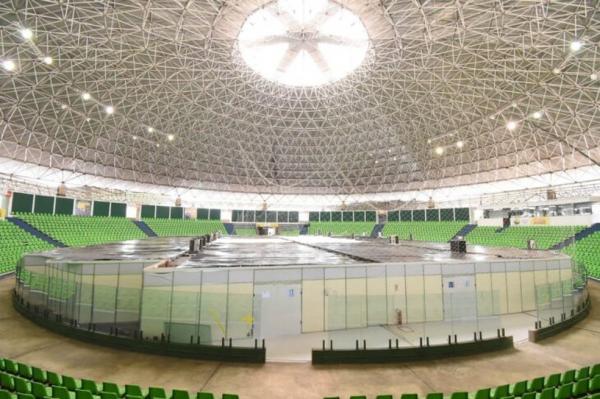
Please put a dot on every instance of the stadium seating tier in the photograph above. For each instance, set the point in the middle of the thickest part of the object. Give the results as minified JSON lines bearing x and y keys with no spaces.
{"x":14,"y":242}
{"x":184,"y":227}
{"x":423,"y":231}
{"x":81,"y":231}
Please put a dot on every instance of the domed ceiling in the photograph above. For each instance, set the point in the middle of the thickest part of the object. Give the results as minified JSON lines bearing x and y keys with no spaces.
{"x":299,"y":96}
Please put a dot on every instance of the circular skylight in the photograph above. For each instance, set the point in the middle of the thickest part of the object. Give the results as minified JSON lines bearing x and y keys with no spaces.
{"x":303,"y":42}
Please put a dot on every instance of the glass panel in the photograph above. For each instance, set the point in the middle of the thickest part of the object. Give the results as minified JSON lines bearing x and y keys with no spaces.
{"x":129,"y":298}
{"x":313,"y":299}
{"x":240,"y":319}
{"x":156,"y":304}
{"x":85,"y":295}
{"x":376,"y":295}
{"x":213,"y":306}
{"x":396,"y":295}
{"x":356,"y":297}
{"x":335,"y":298}
{"x":184,"y":306}
{"x":105,"y":295}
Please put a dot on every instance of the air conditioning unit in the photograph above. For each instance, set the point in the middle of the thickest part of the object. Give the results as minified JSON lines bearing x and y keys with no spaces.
{"x":178,"y":201}
{"x":430,"y":203}
{"x":550,"y":194}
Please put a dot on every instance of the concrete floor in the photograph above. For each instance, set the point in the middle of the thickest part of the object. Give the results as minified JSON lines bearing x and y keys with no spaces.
{"x":22,"y":340}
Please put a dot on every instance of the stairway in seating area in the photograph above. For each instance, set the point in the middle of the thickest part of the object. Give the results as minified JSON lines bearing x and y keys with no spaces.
{"x":35,"y":232}
{"x":578,"y":236}
{"x":230,"y":228}
{"x":464,"y":231}
{"x":145,"y":228}
{"x":377,"y":229}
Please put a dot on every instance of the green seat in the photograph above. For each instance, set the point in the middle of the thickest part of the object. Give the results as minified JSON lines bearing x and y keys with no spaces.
{"x":135,"y":390}
{"x":358,"y":397}
{"x":11,"y":367}
{"x":6,"y":381}
{"x":156,"y":393}
{"x":39,"y":375}
{"x":71,"y":383}
{"x":21,"y":395}
{"x":483,"y":393}
{"x":595,"y":384}
{"x":53,"y":379}
{"x":6,"y":395}
{"x":568,"y":376}
{"x":1,"y":364}
{"x":108,"y":395}
{"x":435,"y":395}
{"x":83,"y":394}
{"x":180,"y":394}
{"x":547,"y":393}
{"x":59,"y":392}
{"x":501,"y":392}
{"x":536,"y":385}
{"x":205,"y":395}
{"x":89,"y":385}
{"x":529,"y":395}
{"x":22,"y":385}
{"x":459,"y":395}
{"x":582,"y":373}
{"x":595,"y":370}
{"x":565,"y":391}
{"x":114,"y":388}
{"x":229,"y":396}
{"x":386,"y":396}
{"x":519,"y":388}
{"x":40,"y":391}
{"x":552,"y":381}
{"x":25,"y":371}
{"x":409,"y":396}
{"x":581,"y":388}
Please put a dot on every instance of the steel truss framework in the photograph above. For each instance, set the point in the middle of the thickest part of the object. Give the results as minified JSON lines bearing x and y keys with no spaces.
{"x":437,"y":72}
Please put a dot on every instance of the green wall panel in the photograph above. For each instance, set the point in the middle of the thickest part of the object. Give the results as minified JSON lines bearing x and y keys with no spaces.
{"x":176,"y":212}
{"x":393,"y":216}
{"x":271,"y":216}
{"x":405,"y":216}
{"x":419,"y":215}
{"x":282,"y":217}
{"x":359,"y":216}
{"x":348,"y":216}
{"x":118,"y":210}
{"x":22,"y":202}
{"x":370,"y":216}
{"x":43,"y":204}
{"x":215,"y":214}
{"x":433,"y":215}
{"x":293,"y":217}
{"x":148,"y":211}
{"x":162,"y":212}
{"x":64,"y":206}
{"x":101,"y":208}
{"x":313,"y":216}
{"x":237,"y":215}
{"x":202,"y":213}
{"x":447,"y":215}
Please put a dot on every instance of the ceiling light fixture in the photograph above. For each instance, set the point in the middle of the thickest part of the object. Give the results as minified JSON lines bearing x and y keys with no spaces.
{"x":63,"y":106}
{"x":556,"y":71}
{"x":47,"y":60}
{"x":576,"y":45}
{"x":439,"y":150}
{"x":9,"y":65}
{"x":460,"y":144}
{"x":511,"y":125}
{"x":537,"y":115}
{"x":86,"y":96}
{"x":170,"y":137}
{"x":27,"y":34}
{"x":109,"y":109}
{"x":594,"y":76}
{"x":150,"y":129}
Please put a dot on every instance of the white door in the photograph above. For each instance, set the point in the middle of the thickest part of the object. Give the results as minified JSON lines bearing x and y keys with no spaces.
{"x":277,"y":309}
{"x":460,"y":301}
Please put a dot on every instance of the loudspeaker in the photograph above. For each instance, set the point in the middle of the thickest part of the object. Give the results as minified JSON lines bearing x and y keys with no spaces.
{"x":506,"y":222}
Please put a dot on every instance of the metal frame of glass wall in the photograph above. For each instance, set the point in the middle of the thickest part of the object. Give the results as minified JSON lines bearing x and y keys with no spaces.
{"x":207,"y":305}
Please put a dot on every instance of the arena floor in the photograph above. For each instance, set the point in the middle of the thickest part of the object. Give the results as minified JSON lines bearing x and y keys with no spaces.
{"x":24,"y":341}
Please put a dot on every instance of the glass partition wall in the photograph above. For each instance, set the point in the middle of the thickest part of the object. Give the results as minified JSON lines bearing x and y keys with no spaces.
{"x":434,"y":302}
